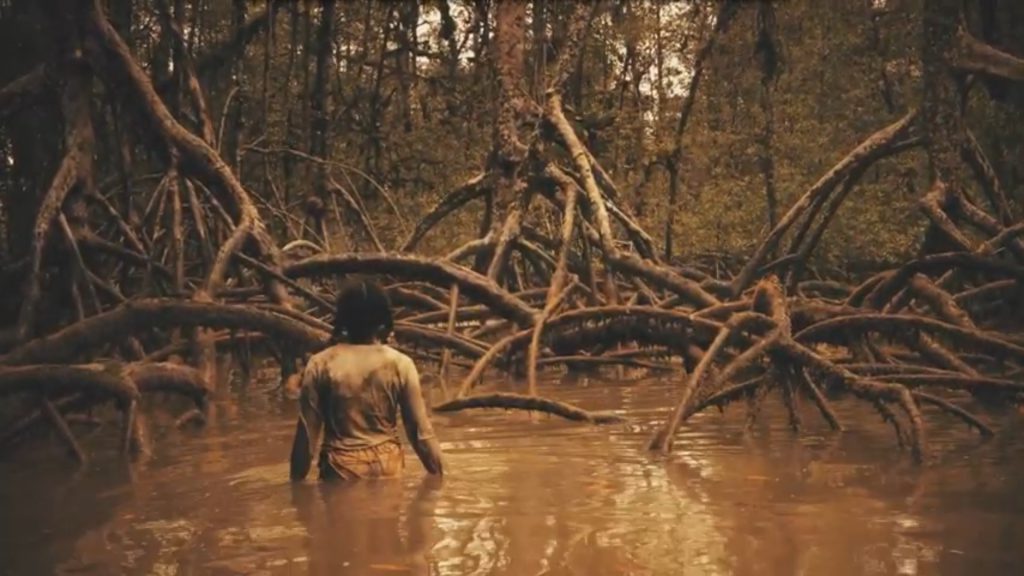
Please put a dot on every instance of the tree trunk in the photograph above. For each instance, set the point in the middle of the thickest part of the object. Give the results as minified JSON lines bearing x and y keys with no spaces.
{"x":287,"y":164}
{"x":320,"y":97}
{"x":768,"y":53}
{"x":318,"y":198}
{"x":674,"y":162}
{"x":236,"y":125}
{"x":942,"y":122}
{"x":121,"y":17}
{"x":509,"y":152}
{"x":408,"y":18}
{"x":74,"y":176}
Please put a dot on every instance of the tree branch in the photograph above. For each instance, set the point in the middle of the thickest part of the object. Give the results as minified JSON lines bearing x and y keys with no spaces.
{"x":973,"y":55}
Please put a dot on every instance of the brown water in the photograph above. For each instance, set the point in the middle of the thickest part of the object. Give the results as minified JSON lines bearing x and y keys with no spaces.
{"x":532,"y":497}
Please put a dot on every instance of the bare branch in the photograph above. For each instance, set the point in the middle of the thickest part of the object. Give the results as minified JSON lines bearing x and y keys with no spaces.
{"x":973,"y":55}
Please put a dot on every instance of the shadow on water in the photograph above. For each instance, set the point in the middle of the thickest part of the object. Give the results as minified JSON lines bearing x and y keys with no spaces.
{"x":534,"y":496}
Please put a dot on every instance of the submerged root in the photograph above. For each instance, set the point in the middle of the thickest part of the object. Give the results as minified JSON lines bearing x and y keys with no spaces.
{"x":63,"y":431}
{"x":531,"y":403}
{"x":889,"y":416}
{"x":949,"y":407}
{"x":87,"y":384}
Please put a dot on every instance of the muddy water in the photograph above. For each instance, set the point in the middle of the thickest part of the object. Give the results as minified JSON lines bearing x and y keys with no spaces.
{"x":533,"y":497}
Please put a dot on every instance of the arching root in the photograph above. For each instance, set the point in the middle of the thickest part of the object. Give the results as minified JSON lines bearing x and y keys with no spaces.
{"x":532,"y":403}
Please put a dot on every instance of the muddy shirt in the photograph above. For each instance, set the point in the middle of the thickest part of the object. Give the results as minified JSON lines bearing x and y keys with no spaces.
{"x":354,"y":393}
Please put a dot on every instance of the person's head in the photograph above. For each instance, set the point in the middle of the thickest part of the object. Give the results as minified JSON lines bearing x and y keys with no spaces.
{"x":362,"y":313}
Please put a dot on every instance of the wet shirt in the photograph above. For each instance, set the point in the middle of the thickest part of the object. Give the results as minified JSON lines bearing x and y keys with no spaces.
{"x":353,"y":394}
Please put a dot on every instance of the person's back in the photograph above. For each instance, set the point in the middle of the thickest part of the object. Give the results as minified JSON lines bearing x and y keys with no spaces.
{"x":352,"y":394}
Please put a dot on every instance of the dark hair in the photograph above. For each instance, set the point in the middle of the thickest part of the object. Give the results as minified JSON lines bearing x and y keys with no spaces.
{"x":362,"y":313}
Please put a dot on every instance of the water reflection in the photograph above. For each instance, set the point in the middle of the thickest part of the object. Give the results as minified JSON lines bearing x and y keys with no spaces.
{"x":363,"y":527}
{"x":533,"y":496}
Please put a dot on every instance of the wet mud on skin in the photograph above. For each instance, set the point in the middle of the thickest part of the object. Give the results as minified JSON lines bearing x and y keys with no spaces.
{"x":532,"y":496}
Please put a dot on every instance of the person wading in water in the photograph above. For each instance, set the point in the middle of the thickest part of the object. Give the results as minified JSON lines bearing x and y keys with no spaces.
{"x":351,"y":394}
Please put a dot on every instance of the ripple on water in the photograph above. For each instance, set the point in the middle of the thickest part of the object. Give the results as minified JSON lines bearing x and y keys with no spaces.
{"x":537,"y":495}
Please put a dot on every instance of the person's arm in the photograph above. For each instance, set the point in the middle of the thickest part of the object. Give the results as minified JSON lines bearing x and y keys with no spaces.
{"x":308,"y":429}
{"x":417,"y":422}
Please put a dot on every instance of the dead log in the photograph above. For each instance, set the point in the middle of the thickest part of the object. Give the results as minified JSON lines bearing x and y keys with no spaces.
{"x":300,"y":289}
{"x":103,"y":380}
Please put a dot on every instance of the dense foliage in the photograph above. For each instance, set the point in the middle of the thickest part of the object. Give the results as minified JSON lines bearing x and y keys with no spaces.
{"x":410,"y":102}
